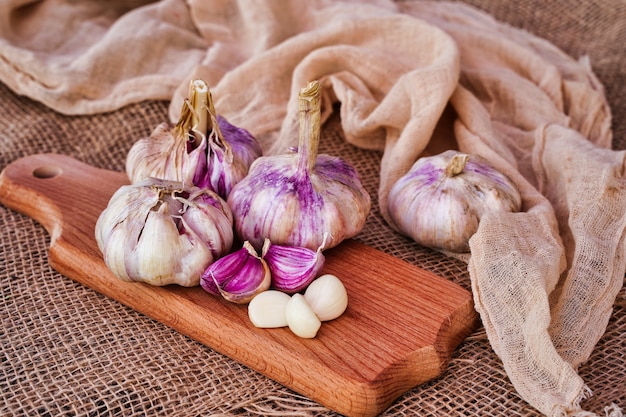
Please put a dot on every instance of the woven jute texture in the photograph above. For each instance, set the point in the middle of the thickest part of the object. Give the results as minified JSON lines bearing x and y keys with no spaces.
{"x":69,"y":351}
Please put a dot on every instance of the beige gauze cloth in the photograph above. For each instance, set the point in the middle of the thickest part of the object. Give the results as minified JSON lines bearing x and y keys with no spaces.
{"x":544,"y":280}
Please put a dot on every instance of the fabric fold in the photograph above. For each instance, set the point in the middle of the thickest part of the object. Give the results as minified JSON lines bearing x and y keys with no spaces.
{"x":93,"y":57}
{"x":585,"y":185}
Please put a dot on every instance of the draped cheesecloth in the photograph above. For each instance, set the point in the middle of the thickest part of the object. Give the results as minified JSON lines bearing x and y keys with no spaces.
{"x":413,"y":78}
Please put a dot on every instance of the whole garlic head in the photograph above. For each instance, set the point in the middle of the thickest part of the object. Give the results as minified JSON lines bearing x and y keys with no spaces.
{"x":161,"y":233}
{"x":440,"y":201}
{"x":299,"y":199}
{"x":203,"y":149}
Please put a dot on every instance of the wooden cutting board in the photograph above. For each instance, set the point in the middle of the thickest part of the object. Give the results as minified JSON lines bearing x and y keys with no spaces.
{"x":400,"y":329}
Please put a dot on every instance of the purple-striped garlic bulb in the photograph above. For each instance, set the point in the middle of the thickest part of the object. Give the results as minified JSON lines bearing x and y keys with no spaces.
{"x":440,"y":201}
{"x":203,"y":149}
{"x":160,"y":232}
{"x":298,"y":198}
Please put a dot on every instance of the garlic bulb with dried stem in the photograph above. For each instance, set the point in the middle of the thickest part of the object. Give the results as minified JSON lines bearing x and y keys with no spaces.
{"x":298,"y":198}
{"x":440,"y":201}
{"x":160,"y":232}
{"x":203,"y":149}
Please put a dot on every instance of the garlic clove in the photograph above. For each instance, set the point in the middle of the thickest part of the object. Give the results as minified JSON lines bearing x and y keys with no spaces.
{"x":158,"y":246}
{"x":292,"y":267}
{"x":327,"y":297}
{"x":160,"y":155}
{"x":228,"y":158}
{"x":238,"y":276}
{"x":268,"y":309}
{"x":220,"y":236}
{"x":301,"y":319}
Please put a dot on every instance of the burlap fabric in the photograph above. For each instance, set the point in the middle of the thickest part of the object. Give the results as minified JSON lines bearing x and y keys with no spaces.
{"x":69,"y":351}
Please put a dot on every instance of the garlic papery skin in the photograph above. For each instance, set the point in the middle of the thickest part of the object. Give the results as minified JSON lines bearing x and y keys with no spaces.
{"x":292,"y":267}
{"x":440,"y":201}
{"x":160,"y":232}
{"x":295,"y":199}
{"x":301,"y":319}
{"x":203,"y":149}
{"x":238,"y":276}
{"x":327,"y":297}
{"x":268,"y":309}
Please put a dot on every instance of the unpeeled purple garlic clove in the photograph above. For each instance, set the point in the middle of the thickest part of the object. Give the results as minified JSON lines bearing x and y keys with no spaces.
{"x":238,"y":276}
{"x":230,"y":150}
{"x":292,"y":267}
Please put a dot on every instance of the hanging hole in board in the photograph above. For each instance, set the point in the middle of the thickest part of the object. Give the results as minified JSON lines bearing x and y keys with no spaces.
{"x":46,"y":171}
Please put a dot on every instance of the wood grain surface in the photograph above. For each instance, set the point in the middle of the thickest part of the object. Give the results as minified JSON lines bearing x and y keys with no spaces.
{"x":400,"y":329}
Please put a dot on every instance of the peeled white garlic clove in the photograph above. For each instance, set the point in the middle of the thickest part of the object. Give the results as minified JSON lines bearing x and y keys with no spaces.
{"x":161,"y":233}
{"x":292,"y":267}
{"x":203,"y":149}
{"x":296,"y":199}
{"x":327,"y":297}
{"x":268,"y":309}
{"x":301,"y":319}
{"x":440,"y":201}
{"x":238,"y":276}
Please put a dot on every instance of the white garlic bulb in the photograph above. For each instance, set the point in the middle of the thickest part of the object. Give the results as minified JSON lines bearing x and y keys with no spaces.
{"x":299,"y":199}
{"x":440,"y":201}
{"x":203,"y":149}
{"x":161,"y":233}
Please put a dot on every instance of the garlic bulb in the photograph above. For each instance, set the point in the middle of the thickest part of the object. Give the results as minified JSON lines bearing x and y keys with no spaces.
{"x":161,"y":233}
{"x":238,"y":276}
{"x":292,"y":267}
{"x":203,"y":149}
{"x":440,"y":201}
{"x":296,"y":199}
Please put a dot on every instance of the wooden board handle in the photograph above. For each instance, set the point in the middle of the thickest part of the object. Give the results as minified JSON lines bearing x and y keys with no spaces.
{"x":400,"y":329}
